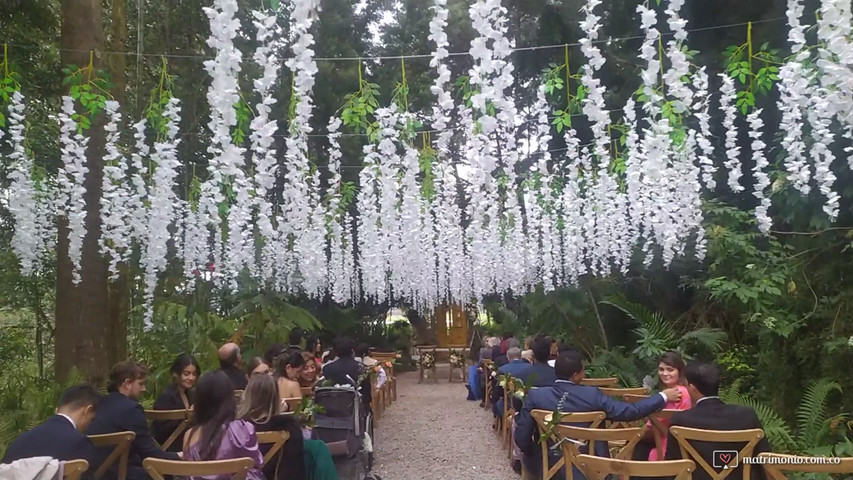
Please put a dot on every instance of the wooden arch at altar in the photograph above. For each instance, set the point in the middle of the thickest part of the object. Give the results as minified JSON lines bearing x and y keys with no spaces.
{"x":451,"y":326}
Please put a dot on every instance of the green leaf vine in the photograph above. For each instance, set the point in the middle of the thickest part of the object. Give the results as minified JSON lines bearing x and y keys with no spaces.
{"x":90,"y":88}
{"x":741,"y":62}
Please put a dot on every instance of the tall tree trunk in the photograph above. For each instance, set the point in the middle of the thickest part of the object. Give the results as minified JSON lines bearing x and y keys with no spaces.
{"x":86,"y":336}
{"x":424,"y":334}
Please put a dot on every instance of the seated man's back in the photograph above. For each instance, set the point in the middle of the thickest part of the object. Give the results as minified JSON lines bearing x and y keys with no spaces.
{"x":710,"y":413}
{"x":119,"y":411}
{"x":60,"y":436}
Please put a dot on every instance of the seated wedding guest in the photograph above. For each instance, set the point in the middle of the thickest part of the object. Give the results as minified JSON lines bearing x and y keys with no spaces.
{"x":502,"y":359}
{"x":229,"y":364}
{"x":562,"y":347}
{"x":527,"y":350}
{"x":362,"y":354}
{"x":567,"y":395}
{"x":257,"y":366}
{"x":275,"y":350}
{"x":287,"y":368}
{"x":516,"y":367}
{"x":346,"y":370}
{"x":540,"y":373}
{"x":120,"y":411}
{"x":504,"y":346}
{"x":61,"y":436}
{"x":216,"y":434}
{"x":300,"y":458}
{"x":495,"y":343}
{"x":671,"y":375}
{"x":710,"y":413}
{"x":177,"y":396}
{"x":308,"y":374}
{"x":313,"y":346}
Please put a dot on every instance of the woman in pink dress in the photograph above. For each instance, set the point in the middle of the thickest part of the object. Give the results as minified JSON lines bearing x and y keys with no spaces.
{"x":671,"y":374}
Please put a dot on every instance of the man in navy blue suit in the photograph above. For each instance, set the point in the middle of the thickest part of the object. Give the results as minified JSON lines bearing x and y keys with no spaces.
{"x":540,"y":374}
{"x":569,"y":396}
{"x":516,"y":367}
{"x":120,"y":411}
{"x":60,"y":436}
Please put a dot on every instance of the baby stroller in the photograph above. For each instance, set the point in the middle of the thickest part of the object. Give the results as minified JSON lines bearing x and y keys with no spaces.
{"x":346,"y":427}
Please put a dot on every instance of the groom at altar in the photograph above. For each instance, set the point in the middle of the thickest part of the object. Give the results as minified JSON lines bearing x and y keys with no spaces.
{"x":567,"y":395}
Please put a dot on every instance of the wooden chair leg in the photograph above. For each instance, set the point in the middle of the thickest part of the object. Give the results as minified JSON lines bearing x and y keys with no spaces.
{"x":420,"y":373}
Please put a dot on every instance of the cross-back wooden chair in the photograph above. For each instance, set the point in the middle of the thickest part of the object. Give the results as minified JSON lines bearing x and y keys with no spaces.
{"x":120,"y":442}
{"x":183,"y":416}
{"x":621,"y":392}
{"x":391,"y":382}
{"x":377,"y":400}
{"x":293,"y":403}
{"x":544,"y":417}
{"x":610,"y":382}
{"x":74,"y":469}
{"x":307,"y":391}
{"x":276,"y":440}
{"x":620,"y":442}
{"x":660,"y":430}
{"x":508,"y":414}
{"x":633,"y":398}
{"x":431,"y":349}
{"x":775,"y":464}
{"x":750,"y":437}
{"x":598,"y":468}
{"x":463,"y":350}
{"x":238,"y":468}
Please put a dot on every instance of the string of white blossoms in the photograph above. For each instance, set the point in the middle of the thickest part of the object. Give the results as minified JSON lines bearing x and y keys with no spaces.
{"x":116,"y":231}
{"x":162,"y":212}
{"x":34,"y":227}
{"x":728,"y":95}
{"x":72,"y":201}
{"x":223,"y":95}
{"x":339,"y":280}
{"x":761,"y":179}
{"x":301,"y":200}
{"x":263,"y":128}
{"x":794,"y":86}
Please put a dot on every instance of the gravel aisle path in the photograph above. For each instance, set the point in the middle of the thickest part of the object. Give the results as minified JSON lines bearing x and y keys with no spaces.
{"x":432,"y":433}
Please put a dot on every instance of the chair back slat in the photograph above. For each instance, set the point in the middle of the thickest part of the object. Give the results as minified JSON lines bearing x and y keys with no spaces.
{"x":598,"y":468}
{"x":275,"y":439}
{"x":568,"y":436}
{"x":183,"y":416}
{"x":633,"y":398}
{"x":751,"y":437}
{"x":307,"y":391}
{"x":238,"y":468}
{"x":74,"y":469}
{"x":292,"y":403}
{"x":544,"y":417}
{"x":775,"y":464}
{"x":121,"y":442}
{"x":601,"y":382}
{"x":660,"y":430}
{"x":621,"y":392}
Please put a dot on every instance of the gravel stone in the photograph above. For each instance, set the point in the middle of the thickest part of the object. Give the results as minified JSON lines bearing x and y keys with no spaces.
{"x":433,"y":433}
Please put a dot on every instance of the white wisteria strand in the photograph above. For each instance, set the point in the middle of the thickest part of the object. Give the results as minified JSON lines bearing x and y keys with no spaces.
{"x":728,"y":96}
{"x":72,"y":192}
{"x":116,"y":202}
{"x":761,"y":179}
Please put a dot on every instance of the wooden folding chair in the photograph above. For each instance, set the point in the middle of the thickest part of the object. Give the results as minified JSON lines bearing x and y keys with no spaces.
{"x":660,"y":430}
{"x":120,"y":442}
{"x":751,"y":437}
{"x":544,"y":417}
{"x":622,"y":440}
{"x":601,"y":382}
{"x":776,"y":463}
{"x":598,"y":468}
{"x":238,"y":468}
{"x":174,"y":415}
{"x":74,"y":469}
{"x":276,"y":440}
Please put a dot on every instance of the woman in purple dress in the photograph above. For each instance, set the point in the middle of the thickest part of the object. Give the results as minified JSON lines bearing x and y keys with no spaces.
{"x":215,"y":434}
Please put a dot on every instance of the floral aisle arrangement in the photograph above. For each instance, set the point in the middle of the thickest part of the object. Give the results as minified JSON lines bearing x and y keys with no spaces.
{"x":456,"y":360}
{"x":427,"y":361}
{"x":419,"y":225}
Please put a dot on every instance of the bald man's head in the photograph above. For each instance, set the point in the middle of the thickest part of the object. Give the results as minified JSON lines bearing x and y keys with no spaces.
{"x":229,"y":355}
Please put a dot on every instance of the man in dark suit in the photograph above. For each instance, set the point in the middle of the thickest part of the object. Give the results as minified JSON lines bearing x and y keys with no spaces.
{"x":120,"y":411}
{"x":345,"y":370}
{"x":540,"y":374}
{"x":229,"y":363}
{"x":60,"y":436}
{"x":516,"y":367}
{"x":710,"y":413}
{"x":567,"y":395}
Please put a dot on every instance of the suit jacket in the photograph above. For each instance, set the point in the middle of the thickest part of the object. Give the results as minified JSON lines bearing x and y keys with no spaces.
{"x":170,"y":399}
{"x":237,"y":376}
{"x":541,"y":374}
{"x":289,"y":463}
{"x":516,"y":368}
{"x":56,"y":438}
{"x":117,"y":413}
{"x":713,"y":414}
{"x":575,"y":398}
{"x":338,"y":370}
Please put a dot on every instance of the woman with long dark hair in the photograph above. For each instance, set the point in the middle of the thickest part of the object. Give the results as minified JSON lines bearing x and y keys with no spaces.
{"x":215,"y":433}
{"x":288,"y":366}
{"x":300,"y":458}
{"x":177,"y":396}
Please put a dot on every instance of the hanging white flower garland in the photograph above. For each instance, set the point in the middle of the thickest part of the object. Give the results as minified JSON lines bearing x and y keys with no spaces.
{"x":728,"y":96}
{"x":72,"y":174}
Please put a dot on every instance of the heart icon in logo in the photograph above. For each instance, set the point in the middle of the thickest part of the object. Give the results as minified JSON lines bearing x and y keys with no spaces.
{"x":726,"y":457}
